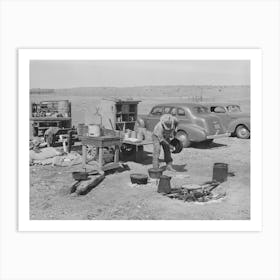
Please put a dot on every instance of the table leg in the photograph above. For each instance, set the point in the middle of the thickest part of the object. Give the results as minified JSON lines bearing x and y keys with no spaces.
{"x":139,"y":153}
{"x":84,"y":153}
{"x":69,"y":147}
{"x":136,"y":153}
{"x":117,"y":154}
{"x":100,"y":150}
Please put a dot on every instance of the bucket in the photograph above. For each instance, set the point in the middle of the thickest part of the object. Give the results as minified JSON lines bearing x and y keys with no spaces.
{"x":80,"y":128}
{"x":220,"y":172}
{"x":94,"y":130}
{"x":164,"y":184}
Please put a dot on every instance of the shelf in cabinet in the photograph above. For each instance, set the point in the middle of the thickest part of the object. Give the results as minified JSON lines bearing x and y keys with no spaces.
{"x":126,"y":122}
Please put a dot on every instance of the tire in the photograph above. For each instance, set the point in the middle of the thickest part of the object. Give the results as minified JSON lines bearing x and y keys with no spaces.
{"x":184,"y":138}
{"x":242,"y":132}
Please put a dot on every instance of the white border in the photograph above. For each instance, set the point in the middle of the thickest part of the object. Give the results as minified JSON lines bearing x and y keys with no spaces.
{"x":254,"y":55}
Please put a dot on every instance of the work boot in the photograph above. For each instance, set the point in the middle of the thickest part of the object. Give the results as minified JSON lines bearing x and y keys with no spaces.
{"x":170,"y":168}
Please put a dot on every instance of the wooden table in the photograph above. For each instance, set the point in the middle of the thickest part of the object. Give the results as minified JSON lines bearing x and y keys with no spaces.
{"x":139,"y":148}
{"x":101,"y":142}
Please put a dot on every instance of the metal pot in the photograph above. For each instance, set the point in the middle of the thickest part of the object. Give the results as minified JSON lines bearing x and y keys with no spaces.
{"x":80,"y":176}
{"x":155,"y":173}
{"x":140,"y":179}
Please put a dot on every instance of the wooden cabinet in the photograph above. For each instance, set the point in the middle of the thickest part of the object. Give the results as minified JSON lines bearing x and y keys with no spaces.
{"x":119,"y":114}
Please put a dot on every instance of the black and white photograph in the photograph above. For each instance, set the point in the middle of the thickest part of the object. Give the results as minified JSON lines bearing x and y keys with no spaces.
{"x":140,"y":139}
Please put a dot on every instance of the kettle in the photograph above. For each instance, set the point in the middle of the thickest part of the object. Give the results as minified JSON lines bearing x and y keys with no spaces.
{"x":164,"y":184}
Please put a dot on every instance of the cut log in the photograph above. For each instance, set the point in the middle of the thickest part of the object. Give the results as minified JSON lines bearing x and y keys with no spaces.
{"x":74,"y":187}
{"x":85,"y":187}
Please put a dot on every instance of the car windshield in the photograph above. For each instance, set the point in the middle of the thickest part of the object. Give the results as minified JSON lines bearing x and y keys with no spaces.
{"x":157,"y":111}
{"x":200,"y":110}
{"x":233,"y":108}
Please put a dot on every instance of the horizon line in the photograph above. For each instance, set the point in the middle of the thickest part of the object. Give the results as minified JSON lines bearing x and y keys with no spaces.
{"x":204,"y":85}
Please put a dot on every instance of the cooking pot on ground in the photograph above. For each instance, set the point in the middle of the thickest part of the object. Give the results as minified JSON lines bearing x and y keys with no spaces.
{"x":140,"y":179}
{"x":155,"y":173}
{"x":80,"y":176}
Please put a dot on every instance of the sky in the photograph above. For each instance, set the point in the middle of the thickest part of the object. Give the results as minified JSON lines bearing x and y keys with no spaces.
{"x":120,"y":73}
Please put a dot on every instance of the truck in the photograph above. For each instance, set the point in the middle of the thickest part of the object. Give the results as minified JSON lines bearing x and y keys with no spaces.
{"x":55,"y":113}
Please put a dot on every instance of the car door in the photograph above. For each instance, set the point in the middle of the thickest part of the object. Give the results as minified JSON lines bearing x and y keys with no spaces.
{"x":167,"y":109}
{"x":222,"y":113}
{"x":181,"y":115}
{"x":153,"y":117}
{"x":233,"y":111}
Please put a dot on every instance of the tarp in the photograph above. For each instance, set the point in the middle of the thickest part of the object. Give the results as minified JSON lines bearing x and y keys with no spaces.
{"x":51,"y":156}
{"x":44,"y":153}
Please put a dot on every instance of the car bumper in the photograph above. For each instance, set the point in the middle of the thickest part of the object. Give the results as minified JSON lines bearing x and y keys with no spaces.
{"x":216,"y":136}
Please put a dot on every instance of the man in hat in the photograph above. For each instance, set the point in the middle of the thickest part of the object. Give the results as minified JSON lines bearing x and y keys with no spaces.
{"x":164,"y":132}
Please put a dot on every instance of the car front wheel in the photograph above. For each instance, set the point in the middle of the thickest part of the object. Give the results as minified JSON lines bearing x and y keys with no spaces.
{"x":242,"y":132}
{"x":183,"y":137}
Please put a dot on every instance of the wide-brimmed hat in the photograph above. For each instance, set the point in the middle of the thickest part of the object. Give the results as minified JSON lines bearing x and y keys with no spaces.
{"x":167,"y":121}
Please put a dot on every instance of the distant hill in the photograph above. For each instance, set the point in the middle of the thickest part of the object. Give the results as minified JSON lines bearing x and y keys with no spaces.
{"x":41,"y":90}
{"x":206,"y":91}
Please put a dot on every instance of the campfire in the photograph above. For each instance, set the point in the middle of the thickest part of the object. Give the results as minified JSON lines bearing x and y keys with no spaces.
{"x":196,"y":193}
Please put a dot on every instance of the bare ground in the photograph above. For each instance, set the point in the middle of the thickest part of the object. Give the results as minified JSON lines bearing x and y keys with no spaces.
{"x":115,"y":198}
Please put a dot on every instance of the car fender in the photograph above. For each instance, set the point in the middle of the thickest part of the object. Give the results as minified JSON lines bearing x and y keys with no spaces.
{"x":240,"y":121}
{"x":195,"y":132}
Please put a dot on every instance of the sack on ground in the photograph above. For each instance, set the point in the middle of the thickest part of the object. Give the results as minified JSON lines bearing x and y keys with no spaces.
{"x":44,"y":153}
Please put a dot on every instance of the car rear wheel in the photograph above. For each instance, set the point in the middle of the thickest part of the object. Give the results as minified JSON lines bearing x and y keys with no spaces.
{"x":242,"y":132}
{"x":184,"y":138}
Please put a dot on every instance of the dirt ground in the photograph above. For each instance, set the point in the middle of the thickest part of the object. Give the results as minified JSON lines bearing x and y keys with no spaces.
{"x":117,"y":199}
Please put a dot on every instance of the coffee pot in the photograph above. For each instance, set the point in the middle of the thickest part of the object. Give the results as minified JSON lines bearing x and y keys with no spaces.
{"x":164,"y":184}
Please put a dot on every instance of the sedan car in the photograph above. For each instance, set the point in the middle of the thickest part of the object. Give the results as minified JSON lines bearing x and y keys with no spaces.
{"x":236,"y":121}
{"x":196,"y":124}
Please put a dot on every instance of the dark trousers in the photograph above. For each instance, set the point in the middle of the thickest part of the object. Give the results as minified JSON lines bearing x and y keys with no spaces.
{"x":156,"y":152}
